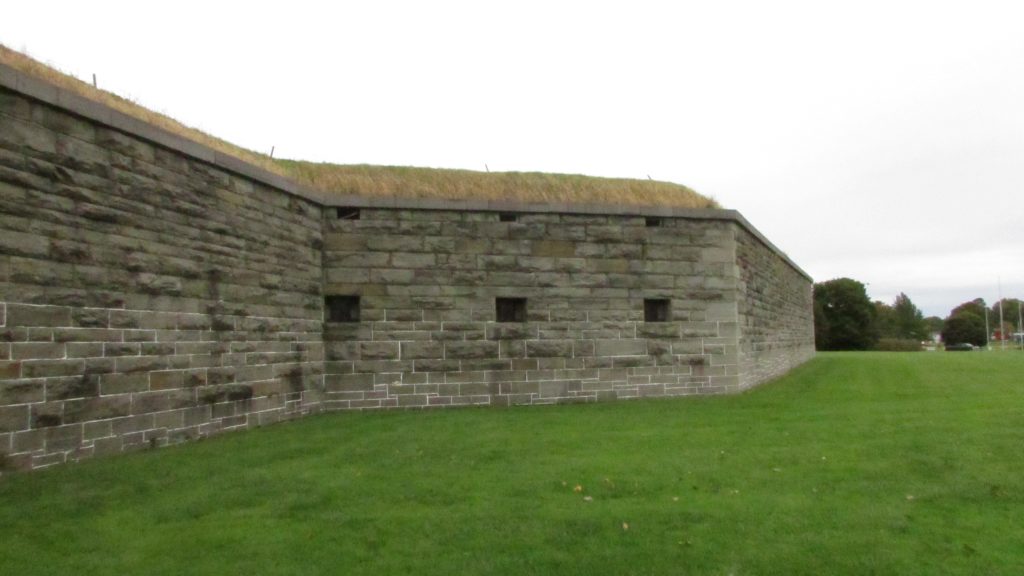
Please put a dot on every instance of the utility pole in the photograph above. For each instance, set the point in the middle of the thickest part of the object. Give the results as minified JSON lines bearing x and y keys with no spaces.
{"x":1002,"y":336}
{"x":1020,"y":325}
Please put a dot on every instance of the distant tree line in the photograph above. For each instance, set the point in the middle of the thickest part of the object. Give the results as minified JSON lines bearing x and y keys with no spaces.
{"x":846,"y":319}
{"x":966,"y":322}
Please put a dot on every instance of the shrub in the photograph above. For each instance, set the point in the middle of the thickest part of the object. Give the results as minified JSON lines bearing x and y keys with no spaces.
{"x":898,"y":345}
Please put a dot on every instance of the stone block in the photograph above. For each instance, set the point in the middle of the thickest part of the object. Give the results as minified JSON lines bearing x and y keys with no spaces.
{"x":128,"y":364}
{"x":147,"y":402}
{"x":166,"y":380}
{"x":121,"y":349}
{"x":14,"y":418}
{"x":84,"y":349}
{"x":633,"y":361}
{"x":422,"y":350}
{"x":657,"y":330}
{"x":549,"y":348}
{"x":349,"y":382}
{"x":63,"y":438}
{"x":26,"y":315}
{"x":553,"y":248}
{"x":90,"y":409}
{"x":221,"y":375}
{"x":86,"y":385}
{"x":470,"y":350}
{"x":124,"y":319}
{"x":86,"y":335}
{"x":21,"y":391}
{"x":10,"y":370}
{"x":510,"y":331}
{"x":378,"y":350}
{"x":413,"y":260}
{"x":90,"y":317}
{"x":411,"y":400}
{"x":96,"y":429}
{"x":52,"y":368}
{"x":123,"y":383}
{"x":620,"y":347}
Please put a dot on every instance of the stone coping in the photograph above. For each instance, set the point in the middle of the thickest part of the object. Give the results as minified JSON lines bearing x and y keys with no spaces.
{"x":45,"y":92}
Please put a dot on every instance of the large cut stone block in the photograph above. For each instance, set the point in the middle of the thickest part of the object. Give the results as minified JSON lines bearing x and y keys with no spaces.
{"x":422,"y":350}
{"x":14,"y":418}
{"x":621,"y":347}
{"x":468,"y":350}
{"x":549,"y":348}
{"x":378,"y":350}
{"x":25,"y":315}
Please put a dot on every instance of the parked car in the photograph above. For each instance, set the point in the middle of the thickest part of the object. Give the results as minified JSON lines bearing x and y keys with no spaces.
{"x":963,"y":346}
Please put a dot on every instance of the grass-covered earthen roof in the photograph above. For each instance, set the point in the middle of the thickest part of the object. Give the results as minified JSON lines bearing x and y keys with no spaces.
{"x":393,"y":181}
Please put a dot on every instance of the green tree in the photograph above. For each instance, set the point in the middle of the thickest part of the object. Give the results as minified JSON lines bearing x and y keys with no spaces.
{"x":934,"y":325}
{"x":843,"y":316}
{"x":885,"y":320}
{"x":976,"y":307}
{"x":964,"y":327}
{"x":1010,"y":307}
{"x":908,"y":320}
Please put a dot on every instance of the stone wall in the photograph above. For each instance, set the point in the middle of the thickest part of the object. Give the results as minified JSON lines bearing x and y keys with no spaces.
{"x":154,"y":291}
{"x":428,"y":281}
{"x":145,"y":297}
{"x":776,"y":312}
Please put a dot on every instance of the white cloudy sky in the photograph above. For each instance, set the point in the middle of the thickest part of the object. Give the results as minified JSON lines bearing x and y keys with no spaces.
{"x":883,"y":141}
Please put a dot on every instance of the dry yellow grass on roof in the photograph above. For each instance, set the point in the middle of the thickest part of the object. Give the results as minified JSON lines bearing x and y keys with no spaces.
{"x":408,"y":182}
{"x":397,"y":181}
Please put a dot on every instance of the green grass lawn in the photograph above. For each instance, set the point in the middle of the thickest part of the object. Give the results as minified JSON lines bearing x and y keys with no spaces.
{"x":876,"y":463}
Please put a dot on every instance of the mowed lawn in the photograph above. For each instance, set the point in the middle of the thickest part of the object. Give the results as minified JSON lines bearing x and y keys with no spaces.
{"x":875,"y":463}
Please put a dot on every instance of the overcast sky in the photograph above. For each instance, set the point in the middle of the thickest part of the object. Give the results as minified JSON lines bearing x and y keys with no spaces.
{"x":882,"y":141}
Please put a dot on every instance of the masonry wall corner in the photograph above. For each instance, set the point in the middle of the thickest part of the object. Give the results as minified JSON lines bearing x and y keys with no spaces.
{"x":151,"y":295}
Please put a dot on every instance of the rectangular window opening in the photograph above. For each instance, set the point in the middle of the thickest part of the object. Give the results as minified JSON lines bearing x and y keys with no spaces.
{"x":656,"y":310}
{"x":510,"y":309}
{"x":342,"y":308}
{"x":508,"y":217}
{"x":652,"y":222}
{"x":345,"y":213}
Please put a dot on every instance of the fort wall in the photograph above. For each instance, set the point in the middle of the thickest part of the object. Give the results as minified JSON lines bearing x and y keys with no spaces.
{"x":153,"y":291}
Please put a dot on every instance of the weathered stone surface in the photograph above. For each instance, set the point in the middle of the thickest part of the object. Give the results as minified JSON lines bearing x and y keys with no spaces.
{"x":90,"y":409}
{"x":422,"y":350}
{"x":549,"y":348}
{"x":21,"y":391}
{"x":151,"y":297}
{"x":25,"y":315}
{"x":14,"y":418}
{"x":621,"y":347}
{"x":378,"y":350}
{"x":480,"y":349}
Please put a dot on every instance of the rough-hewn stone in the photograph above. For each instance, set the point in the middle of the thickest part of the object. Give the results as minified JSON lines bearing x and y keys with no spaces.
{"x":585,"y":279}
{"x":151,"y":294}
{"x":124,"y":282}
